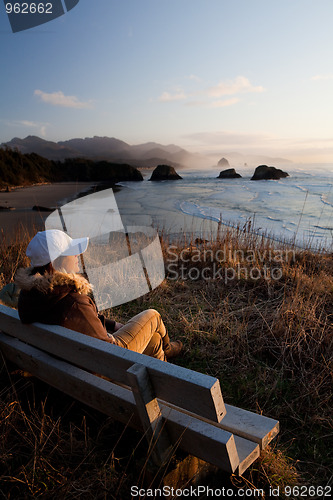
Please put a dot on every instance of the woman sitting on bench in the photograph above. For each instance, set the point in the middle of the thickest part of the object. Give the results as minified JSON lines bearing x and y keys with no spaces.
{"x":53,"y":293}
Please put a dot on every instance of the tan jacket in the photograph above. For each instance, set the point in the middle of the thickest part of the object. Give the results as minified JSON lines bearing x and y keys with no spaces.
{"x":61,"y":299}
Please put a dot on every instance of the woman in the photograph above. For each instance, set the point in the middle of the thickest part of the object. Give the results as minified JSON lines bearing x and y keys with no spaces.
{"x":53,"y":293}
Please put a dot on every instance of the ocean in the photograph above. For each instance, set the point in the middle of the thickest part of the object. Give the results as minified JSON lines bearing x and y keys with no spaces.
{"x":296,"y":209}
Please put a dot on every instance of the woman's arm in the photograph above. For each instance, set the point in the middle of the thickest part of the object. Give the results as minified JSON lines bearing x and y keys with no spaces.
{"x":83,"y":317}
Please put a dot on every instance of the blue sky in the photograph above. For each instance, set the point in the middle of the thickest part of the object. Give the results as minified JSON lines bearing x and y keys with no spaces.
{"x":253,"y":76}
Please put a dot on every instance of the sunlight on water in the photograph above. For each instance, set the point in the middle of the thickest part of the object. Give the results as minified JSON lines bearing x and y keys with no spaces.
{"x":298,"y":208}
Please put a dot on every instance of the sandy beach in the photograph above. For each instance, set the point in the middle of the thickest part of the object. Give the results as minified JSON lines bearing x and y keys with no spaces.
{"x":18,"y":215}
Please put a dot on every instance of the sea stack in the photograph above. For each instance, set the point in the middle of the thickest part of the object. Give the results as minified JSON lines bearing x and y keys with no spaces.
{"x":164,"y":173}
{"x":223,"y":163}
{"x":230,"y":173}
{"x":263,"y":172}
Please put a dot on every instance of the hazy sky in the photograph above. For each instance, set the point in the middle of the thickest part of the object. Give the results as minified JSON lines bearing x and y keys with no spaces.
{"x":254,"y":76}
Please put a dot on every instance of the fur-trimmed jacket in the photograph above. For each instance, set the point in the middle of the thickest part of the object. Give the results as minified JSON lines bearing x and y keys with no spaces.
{"x":61,"y":299}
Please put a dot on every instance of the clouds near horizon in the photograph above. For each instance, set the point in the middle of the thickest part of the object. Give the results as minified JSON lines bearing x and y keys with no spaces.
{"x":60,"y":99}
{"x":226,"y":102}
{"x":168,"y":97}
{"x":310,"y":149}
{"x":209,"y":96}
{"x":322,"y":77}
{"x":240,"y":85}
{"x":23,"y":124}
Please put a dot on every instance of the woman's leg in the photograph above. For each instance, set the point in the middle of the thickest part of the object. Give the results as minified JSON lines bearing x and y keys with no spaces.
{"x":155,"y":348}
{"x":144,"y":334}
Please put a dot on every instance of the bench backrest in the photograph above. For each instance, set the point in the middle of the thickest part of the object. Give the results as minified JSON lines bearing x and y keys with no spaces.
{"x":195,"y":392}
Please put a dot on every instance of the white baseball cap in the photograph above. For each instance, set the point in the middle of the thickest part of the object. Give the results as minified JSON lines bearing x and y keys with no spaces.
{"x":46,"y":246}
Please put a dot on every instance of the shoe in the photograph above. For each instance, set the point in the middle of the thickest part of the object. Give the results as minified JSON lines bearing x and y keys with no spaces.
{"x":174,"y":348}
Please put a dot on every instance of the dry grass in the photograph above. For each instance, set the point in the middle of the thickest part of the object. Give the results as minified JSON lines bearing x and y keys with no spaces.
{"x":267,"y":337}
{"x":58,"y":449}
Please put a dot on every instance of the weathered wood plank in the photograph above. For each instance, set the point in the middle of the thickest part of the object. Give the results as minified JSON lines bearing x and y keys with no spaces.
{"x":190,"y":434}
{"x":249,"y":425}
{"x":150,"y":414}
{"x":248,"y":452}
{"x":196,"y":392}
{"x":198,"y":437}
{"x":94,"y":391}
{"x":243,"y":423}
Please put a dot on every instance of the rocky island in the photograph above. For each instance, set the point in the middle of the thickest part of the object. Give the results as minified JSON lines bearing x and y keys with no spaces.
{"x":263,"y":172}
{"x":164,"y":173}
{"x":230,"y":173}
{"x":223,"y":163}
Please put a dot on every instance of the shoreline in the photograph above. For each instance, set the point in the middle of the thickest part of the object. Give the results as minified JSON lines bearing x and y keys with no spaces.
{"x":18,"y":216}
{"x":11,"y":189}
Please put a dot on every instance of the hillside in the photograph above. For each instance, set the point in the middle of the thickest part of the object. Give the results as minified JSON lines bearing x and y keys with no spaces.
{"x":105,"y":148}
{"x":17,"y":169}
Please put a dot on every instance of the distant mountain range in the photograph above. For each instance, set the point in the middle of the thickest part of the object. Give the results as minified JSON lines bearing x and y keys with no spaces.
{"x":147,"y":155}
{"x":95,"y":148}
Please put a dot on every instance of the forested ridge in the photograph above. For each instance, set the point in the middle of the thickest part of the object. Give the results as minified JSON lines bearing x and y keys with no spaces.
{"x":17,"y":169}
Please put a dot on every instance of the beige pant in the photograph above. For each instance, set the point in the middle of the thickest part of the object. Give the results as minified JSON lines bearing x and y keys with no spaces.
{"x":143,"y":333}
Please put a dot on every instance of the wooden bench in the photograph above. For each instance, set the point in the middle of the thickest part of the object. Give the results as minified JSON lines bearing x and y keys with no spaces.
{"x":174,"y":406}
